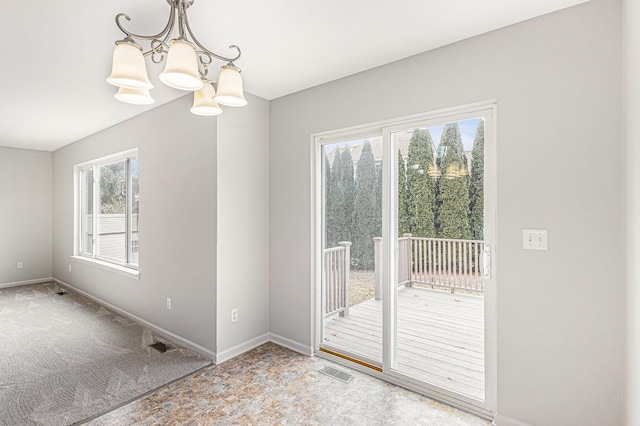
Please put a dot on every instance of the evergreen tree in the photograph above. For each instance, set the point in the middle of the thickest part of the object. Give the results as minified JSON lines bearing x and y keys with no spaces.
{"x":476,"y":185}
{"x":113,"y":188}
{"x":367,"y":212}
{"x":451,"y":149}
{"x":327,"y":170}
{"x":347,"y":182}
{"x":453,"y":191}
{"x":327,"y":198}
{"x":334,"y":210}
{"x":421,"y":188}
{"x":403,"y":197}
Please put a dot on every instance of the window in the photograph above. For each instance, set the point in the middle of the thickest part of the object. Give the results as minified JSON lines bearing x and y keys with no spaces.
{"x":107,"y":209}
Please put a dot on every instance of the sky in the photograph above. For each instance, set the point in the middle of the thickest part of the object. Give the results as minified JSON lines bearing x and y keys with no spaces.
{"x":467,"y":131}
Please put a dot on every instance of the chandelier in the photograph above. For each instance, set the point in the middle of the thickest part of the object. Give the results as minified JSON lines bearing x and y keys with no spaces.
{"x":186,"y":68}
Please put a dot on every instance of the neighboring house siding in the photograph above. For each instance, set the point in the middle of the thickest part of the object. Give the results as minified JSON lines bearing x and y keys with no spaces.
{"x":113,"y":246}
{"x":111,"y":228}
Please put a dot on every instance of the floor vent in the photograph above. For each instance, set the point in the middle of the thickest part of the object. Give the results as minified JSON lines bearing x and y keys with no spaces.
{"x":161,"y":347}
{"x":61,"y":292}
{"x":341,"y":375}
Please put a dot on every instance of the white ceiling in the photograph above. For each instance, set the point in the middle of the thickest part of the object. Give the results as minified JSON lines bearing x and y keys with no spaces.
{"x":57,"y":55}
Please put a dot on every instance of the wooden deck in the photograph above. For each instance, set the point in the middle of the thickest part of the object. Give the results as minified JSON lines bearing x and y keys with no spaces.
{"x":440,"y":337}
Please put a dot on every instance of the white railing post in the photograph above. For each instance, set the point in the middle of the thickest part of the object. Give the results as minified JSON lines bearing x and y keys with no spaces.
{"x":346,"y":270}
{"x":405,"y":266}
{"x":377,"y":265}
{"x":335,"y":280}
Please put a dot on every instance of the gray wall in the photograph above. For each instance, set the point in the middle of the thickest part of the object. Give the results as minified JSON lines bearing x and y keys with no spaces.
{"x":25,"y":215}
{"x":631,"y":22}
{"x":243,"y":224}
{"x":558,"y":86}
{"x":177,"y":155}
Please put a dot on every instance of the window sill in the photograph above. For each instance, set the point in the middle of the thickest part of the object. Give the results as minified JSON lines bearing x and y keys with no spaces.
{"x":127,"y":272}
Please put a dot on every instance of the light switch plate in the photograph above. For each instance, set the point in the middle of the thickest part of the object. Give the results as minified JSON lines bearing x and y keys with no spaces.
{"x":535,"y":239}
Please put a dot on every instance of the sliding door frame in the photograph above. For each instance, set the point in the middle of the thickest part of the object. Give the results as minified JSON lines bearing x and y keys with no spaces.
{"x":487,"y":110}
{"x":317,"y":215}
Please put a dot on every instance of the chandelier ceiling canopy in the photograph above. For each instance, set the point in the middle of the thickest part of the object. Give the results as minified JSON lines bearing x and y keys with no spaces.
{"x":186,"y":65}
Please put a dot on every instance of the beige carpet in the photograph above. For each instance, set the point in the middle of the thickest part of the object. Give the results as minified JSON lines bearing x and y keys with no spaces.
{"x":64,"y":359}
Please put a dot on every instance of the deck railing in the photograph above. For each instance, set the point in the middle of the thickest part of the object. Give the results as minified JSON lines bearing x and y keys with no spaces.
{"x":454,"y":264}
{"x":337,"y":264}
{"x":437,"y":262}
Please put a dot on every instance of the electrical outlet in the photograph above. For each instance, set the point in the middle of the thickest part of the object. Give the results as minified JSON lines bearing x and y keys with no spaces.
{"x":168,"y":303}
{"x":69,"y":268}
{"x":20,"y":265}
{"x":234,"y":315}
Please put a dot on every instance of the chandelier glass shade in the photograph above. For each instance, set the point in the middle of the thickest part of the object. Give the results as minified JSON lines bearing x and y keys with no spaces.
{"x":134,"y":96}
{"x":203,"y":103}
{"x":452,"y":172}
{"x":433,"y":171}
{"x":181,"y":71}
{"x":186,"y":65}
{"x":129,"y":69}
{"x":230,"y":87}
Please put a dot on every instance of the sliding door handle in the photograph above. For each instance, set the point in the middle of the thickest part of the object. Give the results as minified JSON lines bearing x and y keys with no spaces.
{"x":486,"y":262}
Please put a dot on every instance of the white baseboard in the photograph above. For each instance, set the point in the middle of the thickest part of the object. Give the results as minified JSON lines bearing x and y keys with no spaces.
{"x":291,"y":344}
{"x":19,"y":283}
{"x":213,"y":356}
{"x":500,"y":420}
{"x":241,"y":348}
{"x":161,"y":331}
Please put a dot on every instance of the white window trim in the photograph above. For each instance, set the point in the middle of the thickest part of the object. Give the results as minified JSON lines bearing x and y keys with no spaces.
{"x":113,"y":267}
{"x":131,"y":271}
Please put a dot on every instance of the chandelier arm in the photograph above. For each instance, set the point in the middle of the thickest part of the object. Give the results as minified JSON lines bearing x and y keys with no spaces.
{"x":158,"y":47}
{"x":204,"y":70}
{"x":165,"y":40}
{"x":204,"y":49}
{"x":166,"y":31}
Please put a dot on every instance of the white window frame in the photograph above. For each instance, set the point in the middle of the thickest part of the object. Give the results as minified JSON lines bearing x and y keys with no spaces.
{"x":124,"y":268}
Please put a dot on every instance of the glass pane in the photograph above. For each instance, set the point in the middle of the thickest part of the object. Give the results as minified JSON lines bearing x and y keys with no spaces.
{"x":112,"y":220}
{"x":352,"y":223}
{"x":86,"y":211}
{"x":439,"y":308}
{"x":135,"y":243}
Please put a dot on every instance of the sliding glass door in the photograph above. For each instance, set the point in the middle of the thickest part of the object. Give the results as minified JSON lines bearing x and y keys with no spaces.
{"x":352,"y":226}
{"x":437,"y":289}
{"x":406,"y":213}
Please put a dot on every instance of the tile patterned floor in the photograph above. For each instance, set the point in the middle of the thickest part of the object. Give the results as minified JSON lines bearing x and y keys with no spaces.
{"x":271,"y":385}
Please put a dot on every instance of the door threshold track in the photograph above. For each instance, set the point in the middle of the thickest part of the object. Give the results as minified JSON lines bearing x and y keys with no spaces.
{"x":352,"y":359}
